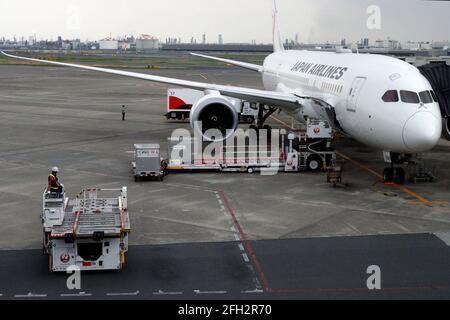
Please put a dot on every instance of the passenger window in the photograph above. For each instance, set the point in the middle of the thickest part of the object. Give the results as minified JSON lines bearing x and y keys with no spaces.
{"x":409,"y":97}
{"x":390,"y":96}
{"x":434,"y":96}
{"x":425,"y":97}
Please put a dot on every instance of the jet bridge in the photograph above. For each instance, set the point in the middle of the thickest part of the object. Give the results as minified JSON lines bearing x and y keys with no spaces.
{"x":438,"y":74}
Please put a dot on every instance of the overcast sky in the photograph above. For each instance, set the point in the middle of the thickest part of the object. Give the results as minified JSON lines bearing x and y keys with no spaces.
{"x":237,"y":20}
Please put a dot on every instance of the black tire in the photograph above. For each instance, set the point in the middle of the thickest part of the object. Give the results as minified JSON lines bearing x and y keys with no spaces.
{"x":388,"y":175}
{"x":399,"y":176}
{"x":446,"y":128}
{"x":161,"y":178}
{"x":314,"y":163}
{"x":136,"y":179}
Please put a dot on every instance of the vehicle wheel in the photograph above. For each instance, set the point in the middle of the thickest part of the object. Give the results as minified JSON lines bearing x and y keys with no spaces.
{"x":314,"y":163}
{"x":249,"y":120}
{"x":388,"y":175}
{"x":250,"y":170}
{"x":161,"y":178}
{"x":136,"y":179}
{"x":399,"y":176}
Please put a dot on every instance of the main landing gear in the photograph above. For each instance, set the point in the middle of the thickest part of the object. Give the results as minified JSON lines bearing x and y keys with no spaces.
{"x":264,"y":113}
{"x":395,"y":174}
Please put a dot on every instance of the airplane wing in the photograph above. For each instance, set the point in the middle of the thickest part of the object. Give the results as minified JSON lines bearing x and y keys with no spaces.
{"x":286,"y":101}
{"x":245,"y":65}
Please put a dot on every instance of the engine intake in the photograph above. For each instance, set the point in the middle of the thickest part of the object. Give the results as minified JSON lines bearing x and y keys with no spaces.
{"x":217,"y":115}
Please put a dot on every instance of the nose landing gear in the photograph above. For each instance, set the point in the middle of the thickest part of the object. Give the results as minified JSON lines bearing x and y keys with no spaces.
{"x":395,"y":174}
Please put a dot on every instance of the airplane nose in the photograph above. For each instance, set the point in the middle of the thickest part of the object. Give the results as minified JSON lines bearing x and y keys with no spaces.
{"x":422,"y":131}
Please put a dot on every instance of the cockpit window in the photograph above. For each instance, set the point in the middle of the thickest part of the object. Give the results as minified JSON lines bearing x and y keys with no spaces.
{"x":434,"y":96}
{"x":425,"y":97}
{"x":409,"y":97}
{"x":390,"y":96}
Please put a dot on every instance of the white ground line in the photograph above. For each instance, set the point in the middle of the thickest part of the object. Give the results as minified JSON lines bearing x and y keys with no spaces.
{"x":232,"y":228}
{"x":245,"y":256}
{"x":223,"y":208}
{"x":253,"y":291}
{"x":241,"y":247}
{"x":220,"y":202}
{"x":209,"y":292}
{"x":160,"y":292}
{"x":79,"y":294}
{"x":236,"y":236}
{"x":124,"y":294}
{"x":30,"y":295}
{"x":443,"y":236}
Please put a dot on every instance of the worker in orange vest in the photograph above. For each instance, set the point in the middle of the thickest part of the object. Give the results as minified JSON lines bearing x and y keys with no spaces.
{"x":54,"y":186}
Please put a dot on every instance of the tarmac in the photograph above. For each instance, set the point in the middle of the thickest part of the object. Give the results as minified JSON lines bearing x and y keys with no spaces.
{"x":197,"y":223}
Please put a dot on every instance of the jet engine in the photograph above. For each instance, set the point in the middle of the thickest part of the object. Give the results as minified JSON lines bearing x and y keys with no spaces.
{"x":446,"y":128}
{"x":214,"y":114}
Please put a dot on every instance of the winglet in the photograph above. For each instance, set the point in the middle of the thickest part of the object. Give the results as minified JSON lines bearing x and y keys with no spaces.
{"x":277,"y":39}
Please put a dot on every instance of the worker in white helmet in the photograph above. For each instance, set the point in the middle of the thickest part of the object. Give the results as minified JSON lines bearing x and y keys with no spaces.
{"x":54,"y":186}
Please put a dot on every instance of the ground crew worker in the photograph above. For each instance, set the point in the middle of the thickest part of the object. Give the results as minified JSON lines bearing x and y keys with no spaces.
{"x":53,"y":182}
{"x":123,"y":113}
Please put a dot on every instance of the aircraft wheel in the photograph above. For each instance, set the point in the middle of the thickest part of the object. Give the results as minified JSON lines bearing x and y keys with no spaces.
{"x":446,"y":128}
{"x":388,"y":175}
{"x":399,"y":176}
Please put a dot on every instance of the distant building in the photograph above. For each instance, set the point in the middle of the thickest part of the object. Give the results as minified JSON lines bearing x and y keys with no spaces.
{"x":220,"y":39}
{"x":109,"y":44}
{"x":388,"y":44}
{"x":411,"y":45}
{"x":146,"y":43}
{"x":75,"y":44}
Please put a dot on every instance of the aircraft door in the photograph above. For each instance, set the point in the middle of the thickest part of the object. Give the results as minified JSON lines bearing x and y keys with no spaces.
{"x":355,"y":91}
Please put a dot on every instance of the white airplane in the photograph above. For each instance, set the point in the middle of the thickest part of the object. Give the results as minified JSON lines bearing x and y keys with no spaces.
{"x":383,"y":102}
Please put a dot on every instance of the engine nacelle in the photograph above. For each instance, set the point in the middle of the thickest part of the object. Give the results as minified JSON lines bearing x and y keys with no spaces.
{"x":214,"y":112}
{"x":446,"y":128}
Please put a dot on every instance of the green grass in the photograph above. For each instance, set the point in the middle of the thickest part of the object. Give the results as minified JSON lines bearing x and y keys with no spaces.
{"x":137,"y":62}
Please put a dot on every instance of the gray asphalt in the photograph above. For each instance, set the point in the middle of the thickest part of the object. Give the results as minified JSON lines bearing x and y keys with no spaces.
{"x":56,"y":116}
{"x":412,"y":267}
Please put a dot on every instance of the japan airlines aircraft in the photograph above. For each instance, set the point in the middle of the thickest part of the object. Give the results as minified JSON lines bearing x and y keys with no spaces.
{"x":380,"y":101}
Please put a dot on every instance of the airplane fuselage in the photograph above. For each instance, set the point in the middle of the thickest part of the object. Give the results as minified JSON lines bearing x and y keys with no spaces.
{"x":380,"y":101}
